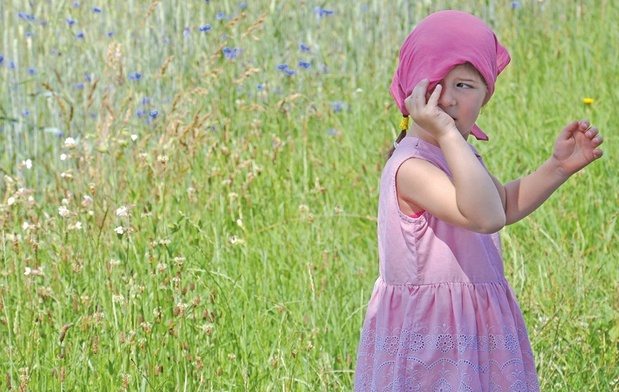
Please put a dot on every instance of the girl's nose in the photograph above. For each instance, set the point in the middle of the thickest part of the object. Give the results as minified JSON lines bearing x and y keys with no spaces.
{"x":447,"y":98}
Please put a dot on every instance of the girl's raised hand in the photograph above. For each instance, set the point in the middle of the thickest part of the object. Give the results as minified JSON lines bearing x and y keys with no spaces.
{"x":427,"y":114}
{"x":577,"y":146}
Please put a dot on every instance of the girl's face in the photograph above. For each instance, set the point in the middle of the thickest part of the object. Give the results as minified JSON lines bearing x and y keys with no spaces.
{"x":464,"y":94}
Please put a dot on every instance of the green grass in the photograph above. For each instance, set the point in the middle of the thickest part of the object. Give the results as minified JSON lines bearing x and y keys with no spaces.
{"x":248,"y":253}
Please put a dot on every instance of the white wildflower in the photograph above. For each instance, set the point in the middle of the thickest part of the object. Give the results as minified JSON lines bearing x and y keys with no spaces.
{"x":76,"y":226}
{"x":25,"y":225}
{"x":34,"y":271}
{"x":120,"y":230}
{"x":123,"y":211}
{"x":119,"y":299}
{"x":10,"y":201}
{"x":134,"y":137}
{"x":27,"y":163}
{"x":86,"y":201}
{"x":69,"y":143}
{"x":63,"y":157}
{"x":63,"y":211}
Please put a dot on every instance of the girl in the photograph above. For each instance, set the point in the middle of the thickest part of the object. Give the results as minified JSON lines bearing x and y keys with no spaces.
{"x":442,"y":316}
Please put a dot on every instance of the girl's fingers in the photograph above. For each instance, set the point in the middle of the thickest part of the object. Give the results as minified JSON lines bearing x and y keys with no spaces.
{"x":592,"y":132}
{"x":433,"y":100}
{"x":417,"y":100}
{"x":584,"y":125}
{"x":568,"y":130}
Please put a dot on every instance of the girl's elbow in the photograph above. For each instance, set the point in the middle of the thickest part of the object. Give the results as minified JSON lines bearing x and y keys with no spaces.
{"x":492,"y":224}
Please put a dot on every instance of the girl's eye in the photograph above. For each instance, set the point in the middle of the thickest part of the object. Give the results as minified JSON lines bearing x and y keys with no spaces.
{"x":464,"y":85}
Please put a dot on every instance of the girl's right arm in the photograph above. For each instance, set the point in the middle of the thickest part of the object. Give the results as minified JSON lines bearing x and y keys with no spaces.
{"x":469,"y":200}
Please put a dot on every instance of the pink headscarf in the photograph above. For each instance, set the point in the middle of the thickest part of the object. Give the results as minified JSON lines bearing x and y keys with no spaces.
{"x":440,"y":42}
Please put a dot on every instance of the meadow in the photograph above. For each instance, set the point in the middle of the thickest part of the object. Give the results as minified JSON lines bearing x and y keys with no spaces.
{"x":189,"y":189}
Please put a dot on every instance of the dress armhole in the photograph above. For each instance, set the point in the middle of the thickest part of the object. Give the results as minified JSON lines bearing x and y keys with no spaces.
{"x":414,"y":215}
{"x":417,"y":214}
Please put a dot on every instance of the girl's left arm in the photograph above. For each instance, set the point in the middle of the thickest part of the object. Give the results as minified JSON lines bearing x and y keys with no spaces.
{"x":575,"y":147}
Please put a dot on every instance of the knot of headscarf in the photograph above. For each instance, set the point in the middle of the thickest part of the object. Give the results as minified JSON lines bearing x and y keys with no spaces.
{"x":440,"y":42}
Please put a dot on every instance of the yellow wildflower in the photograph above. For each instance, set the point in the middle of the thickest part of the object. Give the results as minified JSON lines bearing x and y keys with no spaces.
{"x":588,"y":101}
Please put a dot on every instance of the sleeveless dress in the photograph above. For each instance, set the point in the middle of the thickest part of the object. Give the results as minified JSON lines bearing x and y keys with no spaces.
{"x":442,"y":316}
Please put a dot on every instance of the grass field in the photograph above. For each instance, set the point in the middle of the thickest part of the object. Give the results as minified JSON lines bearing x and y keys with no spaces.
{"x":189,"y":189}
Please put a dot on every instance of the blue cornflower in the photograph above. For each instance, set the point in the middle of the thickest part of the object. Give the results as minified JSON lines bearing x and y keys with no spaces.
{"x":32,"y":71}
{"x":110,"y":33}
{"x":135,"y":76}
{"x":97,"y":10}
{"x":87,"y":77}
{"x":145,"y":101}
{"x":140,"y":112}
{"x":79,"y":35}
{"x":336,"y":106}
{"x":219,"y":15}
{"x":25,"y":113}
{"x":304,"y":48}
{"x":304,"y":64}
{"x":70,"y":21}
{"x":78,"y":86}
{"x":364,"y":7}
{"x":153,"y":114}
{"x":187,"y":31}
{"x":260,"y":87}
{"x":206,"y":28}
{"x":76,"y":4}
{"x":516,"y":4}
{"x":290,"y":72}
{"x":231,"y":53}
{"x":1,"y":59}
{"x":282,"y":66}
{"x":12,"y":64}
{"x":331,"y":131}
{"x":243,"y":6}
{"x":28,"y":17}
{"x":29,"y":34}
{"x":207,"y":1}
{"x":322,"y":12}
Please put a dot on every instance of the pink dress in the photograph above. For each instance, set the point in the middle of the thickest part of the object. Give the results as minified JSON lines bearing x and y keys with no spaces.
{"x":442,"y":317}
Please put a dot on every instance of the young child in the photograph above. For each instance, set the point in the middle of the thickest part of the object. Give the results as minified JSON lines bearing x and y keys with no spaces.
{"x":442,"y":316}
